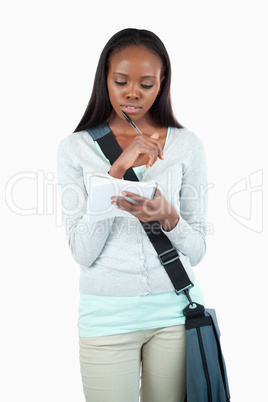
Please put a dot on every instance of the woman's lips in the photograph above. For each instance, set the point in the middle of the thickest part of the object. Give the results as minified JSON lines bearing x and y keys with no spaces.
{"x":130,"y":109}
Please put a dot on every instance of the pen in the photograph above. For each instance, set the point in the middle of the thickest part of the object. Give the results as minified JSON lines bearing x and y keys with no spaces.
{"x":131,"y":122}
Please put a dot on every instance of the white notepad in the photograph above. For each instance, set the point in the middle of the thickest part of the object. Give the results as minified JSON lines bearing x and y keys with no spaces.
{"x":103,"y":186}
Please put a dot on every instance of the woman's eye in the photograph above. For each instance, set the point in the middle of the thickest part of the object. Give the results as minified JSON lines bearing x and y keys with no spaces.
{"x":120,"y":82}
{"x":146,"y":86}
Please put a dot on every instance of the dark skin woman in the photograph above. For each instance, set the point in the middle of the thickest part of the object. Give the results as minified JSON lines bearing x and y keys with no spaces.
{"x":131,"y":323}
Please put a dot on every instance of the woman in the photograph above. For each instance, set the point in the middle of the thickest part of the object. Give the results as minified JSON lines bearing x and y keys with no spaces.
{"x":130,"y":318}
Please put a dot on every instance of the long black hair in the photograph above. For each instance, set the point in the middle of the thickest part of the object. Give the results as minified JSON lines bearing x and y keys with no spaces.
{"x":99,"y":107}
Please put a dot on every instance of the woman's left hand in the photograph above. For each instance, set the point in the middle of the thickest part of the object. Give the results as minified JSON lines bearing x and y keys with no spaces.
{"x":146,"y":210}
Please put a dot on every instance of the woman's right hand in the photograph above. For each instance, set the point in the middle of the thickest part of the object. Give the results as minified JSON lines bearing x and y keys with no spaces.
{"x":140,"y":146}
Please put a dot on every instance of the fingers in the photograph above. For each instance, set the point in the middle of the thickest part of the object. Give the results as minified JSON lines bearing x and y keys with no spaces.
{"x":144,"y":209}
{"x":150,"y":146}
{"x":156,"y":150}
{"x":135,"y":151}
{"x":160,"y":150}
{"x":155,"y":136}
{"x":128,"y":199}
{"x":131,"y":203}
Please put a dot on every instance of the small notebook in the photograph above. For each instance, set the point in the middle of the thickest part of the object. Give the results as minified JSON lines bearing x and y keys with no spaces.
{"x":103,"y":186}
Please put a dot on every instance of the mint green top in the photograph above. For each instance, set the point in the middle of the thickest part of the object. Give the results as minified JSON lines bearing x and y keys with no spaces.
{"x":108,"y":315}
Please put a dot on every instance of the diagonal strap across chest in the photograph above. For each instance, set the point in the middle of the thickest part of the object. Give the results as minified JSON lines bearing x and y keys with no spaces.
{"x":167,"y":254}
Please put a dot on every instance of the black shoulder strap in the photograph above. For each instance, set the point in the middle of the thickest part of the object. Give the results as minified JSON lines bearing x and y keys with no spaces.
{"x":166,"y":252}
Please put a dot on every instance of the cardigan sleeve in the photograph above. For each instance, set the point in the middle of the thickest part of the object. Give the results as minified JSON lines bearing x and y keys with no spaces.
{"x":189,"y":235}
{"x":86,"y":240}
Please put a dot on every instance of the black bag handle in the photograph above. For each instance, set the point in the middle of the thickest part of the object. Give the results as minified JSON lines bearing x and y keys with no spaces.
{"x":167,"y":254}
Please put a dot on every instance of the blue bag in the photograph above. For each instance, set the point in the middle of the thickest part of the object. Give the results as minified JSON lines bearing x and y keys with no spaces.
{"x":206,"y":372}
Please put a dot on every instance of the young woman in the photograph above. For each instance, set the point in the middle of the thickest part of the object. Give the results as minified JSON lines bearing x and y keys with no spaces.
{"x":131,"y":324}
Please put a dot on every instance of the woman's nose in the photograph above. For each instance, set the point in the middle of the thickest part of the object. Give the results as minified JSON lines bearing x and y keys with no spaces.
{"x":132,"y":92}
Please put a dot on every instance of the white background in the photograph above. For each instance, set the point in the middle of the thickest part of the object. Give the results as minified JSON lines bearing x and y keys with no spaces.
{"x":50,"y":50}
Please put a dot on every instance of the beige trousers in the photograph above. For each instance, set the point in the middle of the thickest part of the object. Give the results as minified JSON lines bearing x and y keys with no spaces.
{"x":150,"y":364}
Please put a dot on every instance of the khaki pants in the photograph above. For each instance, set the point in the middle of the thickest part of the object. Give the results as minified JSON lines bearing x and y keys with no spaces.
{"x":111,"y":366}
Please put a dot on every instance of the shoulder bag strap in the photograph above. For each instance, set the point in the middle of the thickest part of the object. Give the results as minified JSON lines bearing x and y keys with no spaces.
{"x":167,"y":254}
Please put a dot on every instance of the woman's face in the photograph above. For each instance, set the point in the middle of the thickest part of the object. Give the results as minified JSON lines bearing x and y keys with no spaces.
{"x":134,"y":81}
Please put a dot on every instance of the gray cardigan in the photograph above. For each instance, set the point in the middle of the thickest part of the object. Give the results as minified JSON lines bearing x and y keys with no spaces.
{"x":115,"y":255}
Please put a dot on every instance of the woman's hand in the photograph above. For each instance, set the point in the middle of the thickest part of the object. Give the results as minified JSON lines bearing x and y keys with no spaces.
{"x":146,"y":210}
{"x":140,"y":146}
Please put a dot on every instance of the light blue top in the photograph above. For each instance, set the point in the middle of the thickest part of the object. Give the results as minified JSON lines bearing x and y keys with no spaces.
{"x":108,"y":315}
